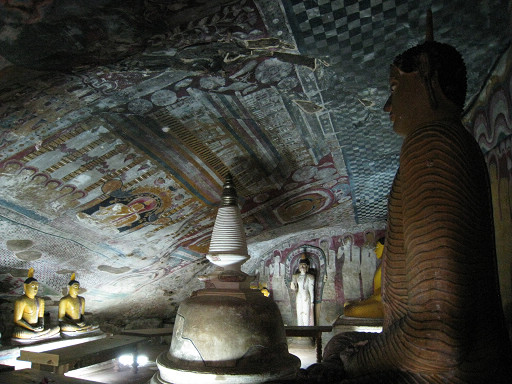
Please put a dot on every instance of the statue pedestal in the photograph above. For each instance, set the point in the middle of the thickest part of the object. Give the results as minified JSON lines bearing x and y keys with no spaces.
{"x":357,"y":324}
{"x":229,"y":335}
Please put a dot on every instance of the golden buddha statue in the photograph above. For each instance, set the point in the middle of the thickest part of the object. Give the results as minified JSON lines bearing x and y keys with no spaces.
{"x":29,"y":314}
{"x":370,"y":308}
{"x":71,"y":312}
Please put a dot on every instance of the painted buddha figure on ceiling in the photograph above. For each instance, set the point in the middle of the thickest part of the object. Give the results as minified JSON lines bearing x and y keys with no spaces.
{"x":443,"y":319}
{"x":71,"y":312}
{"x":29,"y":314}
{"x":371,"y":307}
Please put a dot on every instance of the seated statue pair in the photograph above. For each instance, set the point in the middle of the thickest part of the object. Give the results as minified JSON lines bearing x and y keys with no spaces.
{"x":29,"y":324}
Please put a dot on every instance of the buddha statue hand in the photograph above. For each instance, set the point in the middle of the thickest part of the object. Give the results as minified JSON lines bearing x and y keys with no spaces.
{"x":81,"y":322}
{"x":39,"y":327}
{"x":346,"y":356}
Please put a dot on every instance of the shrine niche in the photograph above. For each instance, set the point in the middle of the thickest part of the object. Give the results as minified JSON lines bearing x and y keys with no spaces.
{"x":343,"y":267}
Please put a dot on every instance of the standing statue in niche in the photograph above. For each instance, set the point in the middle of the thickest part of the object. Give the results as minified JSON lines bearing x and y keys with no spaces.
{"x":443,"y":319}
{"x":71,"y":312}
{"x":29,"y":314}
{"x":304,"y":284}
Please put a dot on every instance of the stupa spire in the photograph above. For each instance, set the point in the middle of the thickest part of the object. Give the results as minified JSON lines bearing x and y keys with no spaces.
{"x":228,"y":245}
{"x":229,"y":195}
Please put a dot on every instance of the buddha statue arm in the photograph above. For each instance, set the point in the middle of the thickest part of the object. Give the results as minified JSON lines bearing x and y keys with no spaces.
{"x":19,"y":320}
{"x":436,"y":192}
{"x":311,"y":288}
{"x":40,"y":316}
{"x":293,"y":284}
{"x":71,"y":315}
{"x":19,"y":307}
{"x":81,"y":319}
{"x":62,"y":309}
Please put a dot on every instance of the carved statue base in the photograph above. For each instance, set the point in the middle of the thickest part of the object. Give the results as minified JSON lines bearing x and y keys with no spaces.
{"x":22,"y":336}
{"x":86,"y":331}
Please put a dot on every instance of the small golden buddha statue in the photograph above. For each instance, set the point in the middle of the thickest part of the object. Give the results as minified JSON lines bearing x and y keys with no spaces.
{"x":29,"y":314}
{"x":371,"y":307}
{"x":71,"y":312}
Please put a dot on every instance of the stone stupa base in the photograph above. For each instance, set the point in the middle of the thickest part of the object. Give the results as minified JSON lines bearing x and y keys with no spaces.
{"x":284,"y":369}
{"x":228,"y":336}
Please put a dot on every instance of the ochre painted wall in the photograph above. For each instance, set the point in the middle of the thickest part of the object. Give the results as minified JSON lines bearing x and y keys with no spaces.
{"x":490,"y":121}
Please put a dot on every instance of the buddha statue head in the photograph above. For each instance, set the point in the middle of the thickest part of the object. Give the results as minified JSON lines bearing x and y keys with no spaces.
{"x":436,"y":62}
{"x":73,"y":286}
{"x":428,"y":83}
{"x":303,"y":263}
{"x":31,"y":285}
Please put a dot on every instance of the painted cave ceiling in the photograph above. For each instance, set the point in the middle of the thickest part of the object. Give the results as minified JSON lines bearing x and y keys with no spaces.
{"x":120,"y":119}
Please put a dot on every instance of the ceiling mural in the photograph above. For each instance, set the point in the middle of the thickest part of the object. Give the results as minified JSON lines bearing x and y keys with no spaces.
{"x":119,"y":121}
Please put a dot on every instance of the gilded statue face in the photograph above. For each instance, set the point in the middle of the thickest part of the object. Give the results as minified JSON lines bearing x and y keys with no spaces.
{"x":407,"y":101}
{"x":73,"y":289}
{"x":31,"y":289}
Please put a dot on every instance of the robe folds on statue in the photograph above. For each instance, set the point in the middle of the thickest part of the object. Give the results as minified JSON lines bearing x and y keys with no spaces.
{"x":443,"y":320}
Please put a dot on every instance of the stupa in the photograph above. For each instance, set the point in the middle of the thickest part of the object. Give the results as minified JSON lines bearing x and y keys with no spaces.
{"x":227,"y":332}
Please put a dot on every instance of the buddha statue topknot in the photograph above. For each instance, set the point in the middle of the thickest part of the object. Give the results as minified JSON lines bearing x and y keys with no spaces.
{"x":228,"y":333}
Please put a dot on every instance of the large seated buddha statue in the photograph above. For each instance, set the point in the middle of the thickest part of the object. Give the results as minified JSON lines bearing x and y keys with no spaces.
{"x":29,"y":314}
{"x":371,"y":307}
{"x":71,"y":312}
{"x":443,"y":316}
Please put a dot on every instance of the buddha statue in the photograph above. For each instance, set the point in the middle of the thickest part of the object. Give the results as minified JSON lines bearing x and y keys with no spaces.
{"x":29,"y":314}
{"x":443,"y":317}
{"x":304,"y":284}
{"x":371,"y":307}
{"x":71,"y":312}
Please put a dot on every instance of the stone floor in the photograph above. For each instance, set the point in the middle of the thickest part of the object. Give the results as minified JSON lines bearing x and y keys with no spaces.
{"x":108,"y":372}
